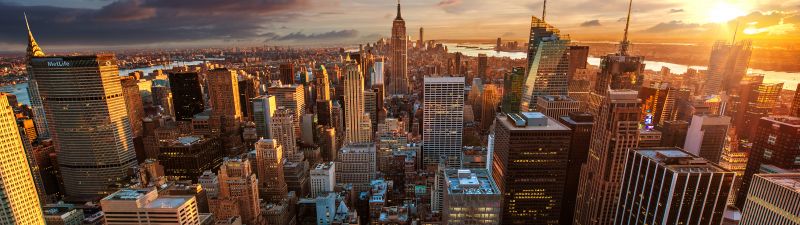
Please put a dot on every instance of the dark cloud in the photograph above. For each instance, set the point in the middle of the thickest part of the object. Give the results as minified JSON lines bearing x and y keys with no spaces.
{"x":591,"y":23}
{"x":671,"y":26}
{"x":300,"y":36}
{"x":675,"y":10}
{"x":134,"y":22}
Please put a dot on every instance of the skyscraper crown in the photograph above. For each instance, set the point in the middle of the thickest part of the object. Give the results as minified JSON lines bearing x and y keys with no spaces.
{"x":33,"y":48}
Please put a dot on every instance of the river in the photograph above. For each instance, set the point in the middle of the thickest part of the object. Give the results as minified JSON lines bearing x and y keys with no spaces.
{"x":790,"y":80}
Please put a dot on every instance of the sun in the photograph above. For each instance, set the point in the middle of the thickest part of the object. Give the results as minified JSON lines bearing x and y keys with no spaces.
{"x":724,"y":12}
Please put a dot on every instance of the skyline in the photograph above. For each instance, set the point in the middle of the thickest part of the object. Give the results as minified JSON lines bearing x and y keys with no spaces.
{"x":127,"y":24}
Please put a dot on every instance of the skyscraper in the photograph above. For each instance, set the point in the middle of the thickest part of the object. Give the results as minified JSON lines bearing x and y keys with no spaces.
{"x":557,"y":106}
{"x":291,"y":97}
{"x":772,"y":199}
{"x":357,"y":122}
{"x":186,"y":157}
{"x":34,"y":50}
{"x":670,"y":186}
{"x":620,"y":70}
{"x":581,"y":124}
{"x":263,"y":110}
{"x":489,"y":103}
{"x":88,"y":121}
{"x":775,"y":144}
{"x":356,"y":164}
{"x":471,"y":197}
{"x":658,"y":105}
{"x":706,"y":136}
{"x":796,"y":102}
{"x":727,"y":65}
{"x":283,"y":132}
{"x":20,"y":202}
{"x":133,"y":102}
{"x":323,"y":96}
{"x":269,"y":161}
{"x":421,"y":41}
{"x":286,"y":73}
{"x":398,"y":79}
{"x":145,"y":206}
{"x":483,"y":66}
{"x":223,"y":94}
{"x":443,"y":118}
{"x":530,"y":159}
{"x":238,"y":192}
{"x":548,"y":64}
{"x":187,"y":95}
{"x":323,"y":179}
{"x":512,"y":90}
{"x":616,"y":130}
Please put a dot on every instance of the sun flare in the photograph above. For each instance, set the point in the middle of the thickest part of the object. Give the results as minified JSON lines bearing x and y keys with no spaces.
{"x":724,"y":12}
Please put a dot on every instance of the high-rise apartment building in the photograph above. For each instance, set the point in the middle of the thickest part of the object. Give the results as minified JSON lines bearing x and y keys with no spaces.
{"x":145,"y":206}
{"x":223,"y":94}
{"x":323,"y":179}
{"x":291,"y":97}
{"x":772,"y":199}
{"x":20,"y":202}
{"x":443,"y":118}
{"x":356,"y":165}
{"x":530,"y":145}
{"x":548,"y":64}
{"x":727,"y":65}
{"x":706,"y":136}
{"x":263,"y":110}
{"x":238,"y":192}
{"x":557,"y":106}
{"x":471,"y":197}
{"x":512,"y":90}
{"x":581,"y":124}
{"x":269,"y":168}
{"x":357,"y":130}
{"x":775,"y":144}
{"x":94,"y":152}
{"x":187,"y":95}
{"x":617,"y":130}
{"x":398,"y":78}
{"x":670,"y":186}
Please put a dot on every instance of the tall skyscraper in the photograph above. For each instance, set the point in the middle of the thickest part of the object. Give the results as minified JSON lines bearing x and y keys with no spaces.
{"x":20,"y":202}
{"x":796,"y":102}
{"x":356,"y":164}
{"x":443,"y":118}
{"x":530,"y":157}
{"x":706,"y":136}
{"x":263,"y":110}
{"x":772,"y":199}
{"x":223,"y":94}
{"x":34,"y":50}
{"x":269,"y":161}
{"x":548,"y":64}
{"x":238,"y":192}
{"x":489,"y":103}
{"x":727,"y":65}
{"x":471,"y":197}
{"x":670,"y":186}
{"x":775,"y":144}
{"x":616,"y":130}
{"x":291,"y":97}
{"x":762,"y":99}
{"x":512,"y":90}
{"x":249,"y":87}
{"x":133,"y":102}
{"x":557,"y":106}
{"x":186,"y":157}
{"x":483,"y":66}
{"x":323,"y":96}
{"x":658,"y":105}
{"x":620,"y":70}
{"x":421,"y":41}
{"x":282,"y":128}
{"x":187,"y":95}
{"x":88,"y":121}
{"x":398,"y":79}
{"x":286,"y":73}
{"x":357,"y":122}
{"x":581,"y":124}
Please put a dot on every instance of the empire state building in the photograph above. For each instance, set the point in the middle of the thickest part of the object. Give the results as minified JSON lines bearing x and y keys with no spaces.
{"x":398,"y":79}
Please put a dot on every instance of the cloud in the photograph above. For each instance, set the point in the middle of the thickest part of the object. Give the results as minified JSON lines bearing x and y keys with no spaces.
{"x":591,"y":23}
{"x":671,"y":26}
{"x":675,"y":10}
{"x":448,"y":3}
{"x":508,"y":34}
{"x":300,"y":36}
{"x":458,"y":6}
{"x":142,"y":22}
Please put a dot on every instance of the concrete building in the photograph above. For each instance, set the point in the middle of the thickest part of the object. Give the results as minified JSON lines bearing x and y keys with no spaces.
{"x":662,"y":185}
{"x":269,"y":161}
{"x":775,"y":144}
{"x":356,"y":121}
{"x":187,"y":94}
{"x":443,"y":118}
{"x":323,"y":178}
{"x":398,"y":77}
{"x":263,"y":110}
{"x":100,"y":145}
{"x":282,"y":129}
{"x":356,"y":165}
{"x":772,"y":199}
{"x":557,"y":106}
{"x":62,"y":214}
{"x":20,"y":202}
{"x":706,"y":136}
{"x":472,"y":197}
{"x":581,"y":124}
{"x":528,"y":145}
{"x":144,"y":206}
{"x":187,"y":157}
{"x":548,"y":64}
{"x":291,"y":97}
{"x":238,"y":192}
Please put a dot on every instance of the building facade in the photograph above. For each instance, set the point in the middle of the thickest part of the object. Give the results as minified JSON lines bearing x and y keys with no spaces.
{"x":442,"y":120}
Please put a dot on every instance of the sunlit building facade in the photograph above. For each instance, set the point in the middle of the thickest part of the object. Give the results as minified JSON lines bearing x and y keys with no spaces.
{"x":20,"y":204}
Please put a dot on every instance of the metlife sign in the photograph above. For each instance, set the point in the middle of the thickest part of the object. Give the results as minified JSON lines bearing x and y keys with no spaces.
{"x":58,"y":64}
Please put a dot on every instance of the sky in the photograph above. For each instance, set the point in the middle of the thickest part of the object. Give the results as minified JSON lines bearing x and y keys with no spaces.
{"x":117,"y":24}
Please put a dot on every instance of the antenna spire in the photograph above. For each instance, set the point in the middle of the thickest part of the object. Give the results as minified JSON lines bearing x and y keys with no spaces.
{"x":544,"y":9}
{"x":398,"y":10}
{"x":33,"y":47}
{"x":623,"y":47}
{"x":735,"y":31}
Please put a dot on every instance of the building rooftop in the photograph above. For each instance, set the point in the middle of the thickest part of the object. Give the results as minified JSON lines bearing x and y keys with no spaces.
{"x":680,"y":161}
{"x":470,"y":182}
{"x":530,"y":121}
{"x":789,"y":181}
{"x":324,"y":166}
{"x":444,"y":80}
{"x":168,"y":202}
{"x":557,"y":98}
{"x":128,"y":194}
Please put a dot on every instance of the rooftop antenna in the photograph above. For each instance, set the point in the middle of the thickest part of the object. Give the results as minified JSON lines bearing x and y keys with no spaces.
{"x":735,"y":31}
{"x":544,"y":9}
{"x":623,"y":47}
